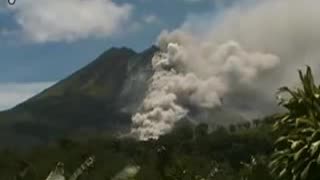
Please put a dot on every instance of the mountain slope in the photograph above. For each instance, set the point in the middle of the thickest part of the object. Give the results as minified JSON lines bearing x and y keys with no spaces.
{"x":98,"y":99}
{"x":91,"y":100}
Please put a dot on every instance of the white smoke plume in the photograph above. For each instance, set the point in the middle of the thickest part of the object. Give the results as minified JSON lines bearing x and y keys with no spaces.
{"x":177,"y":83}
{"x":242,"y":57}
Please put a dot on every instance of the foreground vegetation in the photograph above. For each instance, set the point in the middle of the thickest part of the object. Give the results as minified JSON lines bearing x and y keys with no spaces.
{"x":185,"y":153}
{"x":284,"y":146}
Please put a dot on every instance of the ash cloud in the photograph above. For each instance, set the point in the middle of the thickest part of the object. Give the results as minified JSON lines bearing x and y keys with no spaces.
{"x":242,"y":57}
{"x":177,"y":83}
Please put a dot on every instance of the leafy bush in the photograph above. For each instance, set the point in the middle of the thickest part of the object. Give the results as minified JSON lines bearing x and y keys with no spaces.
{"x":297,"y":150}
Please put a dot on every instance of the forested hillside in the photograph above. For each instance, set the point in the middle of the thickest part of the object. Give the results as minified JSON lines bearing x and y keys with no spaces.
{"x":281,"y":146}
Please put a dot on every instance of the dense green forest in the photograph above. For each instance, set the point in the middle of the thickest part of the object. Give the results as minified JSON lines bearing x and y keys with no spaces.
{"x":188,"y":149}
{"x":280,"y":146}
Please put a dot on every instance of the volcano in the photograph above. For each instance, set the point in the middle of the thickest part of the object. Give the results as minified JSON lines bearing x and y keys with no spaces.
{"x":99,"y":99}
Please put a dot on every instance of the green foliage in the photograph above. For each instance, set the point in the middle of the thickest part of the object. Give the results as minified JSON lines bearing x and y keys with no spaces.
{"x":186,"y":153}
{"x":297,"y":150}
{"x":256,"y":169}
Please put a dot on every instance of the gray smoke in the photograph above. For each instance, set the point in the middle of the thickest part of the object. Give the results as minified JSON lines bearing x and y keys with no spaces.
{"x":242,"y":57}
{"x":177,"y":82}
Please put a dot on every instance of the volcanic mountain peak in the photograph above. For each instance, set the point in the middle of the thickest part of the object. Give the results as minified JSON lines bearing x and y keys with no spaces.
{"x":99,"y":98}
{"x":86,"y":101}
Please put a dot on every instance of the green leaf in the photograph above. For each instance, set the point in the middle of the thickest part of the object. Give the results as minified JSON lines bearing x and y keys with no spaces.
{"x":283,"y":172}
{"x":305,"y":172}
{"x":314,"y":147}
{"x":307,"y":130}
{"x":299,"y":165}
{"x":304,"y":121}
{"x":296,"y":144}
{"x":281,"y":139}
{"x":315,"y":136}
{"x":298,"y":155}
{"x":318,"y":159}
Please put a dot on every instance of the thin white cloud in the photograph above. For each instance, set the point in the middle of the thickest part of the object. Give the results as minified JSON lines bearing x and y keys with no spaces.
{"x":12,"y":94}
{"x":151,"y":19}
{"x":69,"y":20}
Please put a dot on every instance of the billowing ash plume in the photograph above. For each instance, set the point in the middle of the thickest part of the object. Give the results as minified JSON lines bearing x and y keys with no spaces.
{"x":177,"y":84}
{"x":235,"y":57}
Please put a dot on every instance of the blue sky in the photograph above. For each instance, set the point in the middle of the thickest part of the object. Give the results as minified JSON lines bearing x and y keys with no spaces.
{"x":43,"y":41}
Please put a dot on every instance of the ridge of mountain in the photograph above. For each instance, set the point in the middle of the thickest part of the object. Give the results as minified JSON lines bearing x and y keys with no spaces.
{"x":98,"y":99}
{"x":87,"y":101}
